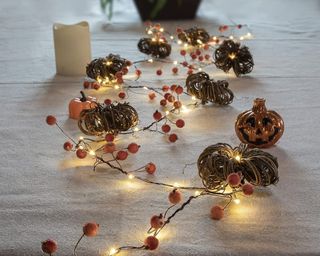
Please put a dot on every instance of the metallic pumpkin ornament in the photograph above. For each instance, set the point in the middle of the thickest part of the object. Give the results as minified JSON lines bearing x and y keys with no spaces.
{"x":259,"y":127}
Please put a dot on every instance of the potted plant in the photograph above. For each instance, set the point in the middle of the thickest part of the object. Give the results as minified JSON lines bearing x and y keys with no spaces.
{"x":160,"y":9}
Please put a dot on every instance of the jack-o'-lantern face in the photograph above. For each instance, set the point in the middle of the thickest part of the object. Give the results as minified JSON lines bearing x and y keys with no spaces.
{"x":259,"y":127}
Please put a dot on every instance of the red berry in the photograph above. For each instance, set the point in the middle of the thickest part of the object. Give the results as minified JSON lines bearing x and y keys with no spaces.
{"x":119,"y":80}
{"x":225,"y":27}
{"x":110,"y":147}
{"x":217,"y":212}
{"x":175,"y":70}
{"x":173,"y":137}
{"x":165,"y":88}
{"x":151,"y":243}
{"x":198,"y":52}
{"x":177,"y":104}
{"x":163,"y":102}
{"x":175,"y":196}
{"x":151,"y":95}
{"x":157,"y":26}
{"x":190,"y":71}
{"x":156,"y":221}
{"x":234,"y":179}
{"x":207,"y":56}
{"x":125,"y":70}
{"x":128,"y":63}
{"x":49,"y":246}
{"x":96,"y":86}
{"x":122,"y":155}
{"x":193,"y":56}
{"x":167,"y":95}
{"x":179,"y":123}
{"x":118,"y":74}
{"x":109,"y":137}
{"x":185,"y":64}
{"x":107,"y":101}
{"x":179,"y":90}
{"x":173,"y":87}
{"x":166,"y":128}
{"x":86,"y":84}
{"x":200,"y":58}
{"x":90,"y":229}
{"x":81,"y":153}
{"x":133,"y":148}
{"x":138,"y":72}
{"x":122,"y":95}
{"x":183,"y":52}
{"x":171,"y":98}
{"x":179,"y":30}
{"x":221,"y":28}
{"x":206,"y":47}
{"x":67,"y":146}
{"x":247,"y":189}
{"x":239,"y":26}
{"x":150,"y":168}
{"x":157,"y":115}
{"x":159,"y":72}
{"x":51,"y":120}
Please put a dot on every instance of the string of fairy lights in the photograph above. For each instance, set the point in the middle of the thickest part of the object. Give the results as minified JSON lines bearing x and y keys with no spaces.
{"x":105,"y":152}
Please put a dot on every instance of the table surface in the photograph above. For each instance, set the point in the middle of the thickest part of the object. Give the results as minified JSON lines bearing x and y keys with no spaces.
{"x":45,"y":192}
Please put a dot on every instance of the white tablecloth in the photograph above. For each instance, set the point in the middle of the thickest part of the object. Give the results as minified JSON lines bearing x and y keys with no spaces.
{"x":45,"y":192}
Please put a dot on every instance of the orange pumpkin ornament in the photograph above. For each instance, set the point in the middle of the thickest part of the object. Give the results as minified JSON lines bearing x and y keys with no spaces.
{"x":76,"y":105}
{"x":259,"y":127}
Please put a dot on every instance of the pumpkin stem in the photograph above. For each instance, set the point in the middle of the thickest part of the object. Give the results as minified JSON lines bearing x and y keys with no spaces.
{"x":83,"y":98}
{"x":259,"y":105}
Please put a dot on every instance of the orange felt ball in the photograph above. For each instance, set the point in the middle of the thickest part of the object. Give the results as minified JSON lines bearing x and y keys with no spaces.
{"x":109,"y":147}
{"x":90,"y":229}
{"x":81,"y":153}
{"x":151,"y":243}
{"x":175,"y":196}
{"x":49,"y":246}
{"x":133,"y":148}
{"x":51,"y":120}
{"x":217,"y":212}
{"x":150,"y":168}
{"x":234,"y":179}
{"x":156,"y":221}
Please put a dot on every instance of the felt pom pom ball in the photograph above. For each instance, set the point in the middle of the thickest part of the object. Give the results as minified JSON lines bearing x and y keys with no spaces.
{"x":156,"y":221}
{"x":151,"y":243}
{"x":51,"y":120}
{"x":175,"y":196}
{"x":90,"y":229}
{"x":49,"y":246}
{"x":133,"y":148}
{"x":217,"y":212}
{"x":234,"y":179}
{"x":247,"y":189}
{"x":81,"y":153}
{"x":122,"y":155}
{"x":150,"y":168}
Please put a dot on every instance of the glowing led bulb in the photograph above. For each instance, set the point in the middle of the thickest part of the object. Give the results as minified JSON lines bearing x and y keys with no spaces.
{"x":175,"y":62}
{"x":176,"y":184}
{"x":199,"y":69}
{"x":238,"y":158}
{"x":214,"y":38}
{"x":232,"y":56}
{"x":237,"y":201}
{"x":231,"y":37}
{"x":153,"y":39}
{"x":92,"y":153}
{"x":249,"y":34}
{"x":109,"y":63}
{"x":149,"y":32}
{"x":80,"y":147}
{"x":167,"y":112}
{"x":171,"y":37}
{"x":241,"y":38}
{"x":199,"y":41}
{"x":185,"y":45}
{"x":131,"y":176}
{"x":116,"y":87}
{"x":179,"y":42}
{"x":113,"y":251}
{"x":193,"y":98}
{"x":161,"y":29}
{"x":80,"y":138}
{"x":136,"y":129}
{"x":150,"y":60}
{"x":145,"y":87}
{"x":197,"y":193}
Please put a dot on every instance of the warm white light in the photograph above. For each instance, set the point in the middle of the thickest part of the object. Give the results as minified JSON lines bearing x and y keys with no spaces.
{"x":199,"y":69}
{"x":161,"y":40}
{"x":167,"y":112}
{"x":113,"y":251}
{"x":184,"y":109}
{"x":237,"y":201}
{"x":179,"y":42}
{"x":116,"y":87}
{"x":193,"y":98}
{"x":214,"y":38}
{"x":249,"y":34}
{"x":80,"y":147}
{"x":131,"y":176}
{"x":176,"y":184}
{"x":150,"y":60}
{"x":185,"y":45}
{"x":232,"y":56}
{"x":109,"y":63}
{"x":199,"y":41}
{"x":92,"y":153}
{"x":161,"y":29}
{"x":241,"y":38}
{"x":175,"y":62}
{"x":153,"y":39}
{"x":145,"y":87}
{"x":149,"y":32}
{"x":136,"y":129}
{"x":171,"y":37}
{"x":197,"y":193}
{"x":80,"y":138}
{"x":238,"y":158}
{"x":231,"y":37}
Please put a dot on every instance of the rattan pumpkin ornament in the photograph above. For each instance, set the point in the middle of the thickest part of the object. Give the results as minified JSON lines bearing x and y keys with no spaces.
{"x":105,"y":69}
{"x":158,"y":48}
{"x":194,"y":36}
{"x":255,"y":166}
{"x":259,"y":127}
{"x":231,"y":54}
{"x":108,"y":118}
{"x":208,"y":90}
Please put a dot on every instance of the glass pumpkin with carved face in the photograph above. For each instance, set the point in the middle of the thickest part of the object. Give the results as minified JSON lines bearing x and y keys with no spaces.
{"x":259,"y":127}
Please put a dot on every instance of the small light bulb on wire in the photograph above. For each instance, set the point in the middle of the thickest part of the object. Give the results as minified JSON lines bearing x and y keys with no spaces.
{"x":237,"y":201}
{"x":113,"y":251}
{"x":116,"y":87}
{"x":92,"y":153}
{"x":131,"y":176}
